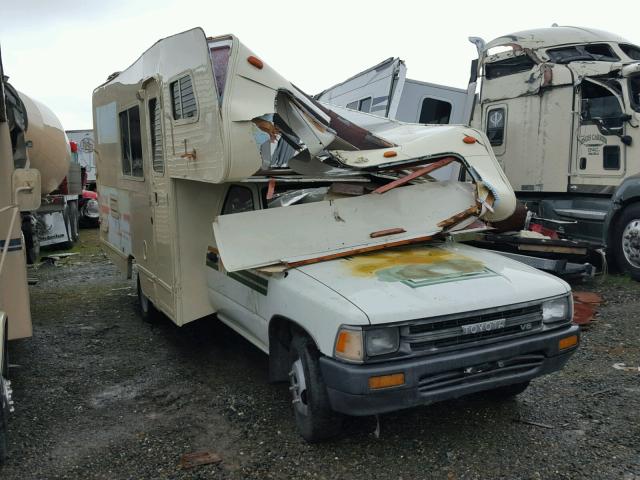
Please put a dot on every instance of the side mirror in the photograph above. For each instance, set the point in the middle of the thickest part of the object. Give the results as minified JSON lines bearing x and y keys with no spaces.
{"x":26,"y":188}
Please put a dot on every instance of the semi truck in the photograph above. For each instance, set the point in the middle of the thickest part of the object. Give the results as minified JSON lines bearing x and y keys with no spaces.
{"x":560,"y":106}
{"x":226,"y":192}
{"x":20,"y":191}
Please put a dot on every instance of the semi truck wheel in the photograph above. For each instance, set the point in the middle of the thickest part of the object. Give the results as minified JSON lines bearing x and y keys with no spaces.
{"x":314,"y":418}
{"x":31,"y":240}
{"x":626,"y":241}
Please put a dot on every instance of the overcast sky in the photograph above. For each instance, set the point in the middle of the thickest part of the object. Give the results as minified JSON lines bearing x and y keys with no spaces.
{"x":58,"y":51}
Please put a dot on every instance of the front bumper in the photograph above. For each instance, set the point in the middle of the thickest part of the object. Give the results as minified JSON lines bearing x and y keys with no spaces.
{"x":433,"y":378}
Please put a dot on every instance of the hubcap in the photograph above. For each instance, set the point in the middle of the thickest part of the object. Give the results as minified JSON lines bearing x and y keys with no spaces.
{"x":298,"y":388}
{"x":631,"y":242}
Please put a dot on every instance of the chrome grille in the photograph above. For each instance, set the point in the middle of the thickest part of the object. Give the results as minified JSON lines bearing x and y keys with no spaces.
{"x":436,"y":334}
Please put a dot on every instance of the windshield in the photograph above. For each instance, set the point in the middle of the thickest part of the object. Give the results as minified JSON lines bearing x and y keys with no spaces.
{"x":634,"y":92}
{"x":594,"y":51}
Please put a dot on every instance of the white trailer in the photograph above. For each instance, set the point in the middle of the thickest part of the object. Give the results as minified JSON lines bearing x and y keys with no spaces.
{"x":384,"y":90}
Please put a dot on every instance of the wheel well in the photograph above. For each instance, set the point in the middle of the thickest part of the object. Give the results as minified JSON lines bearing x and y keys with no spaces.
{"x":281,"y":331}
{"x":616,"y":215}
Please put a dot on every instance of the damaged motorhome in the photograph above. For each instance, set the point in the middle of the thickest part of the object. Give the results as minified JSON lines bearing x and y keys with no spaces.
{"x":320,"y":235}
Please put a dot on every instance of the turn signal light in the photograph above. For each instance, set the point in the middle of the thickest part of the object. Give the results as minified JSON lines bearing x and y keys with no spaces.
{"x":568,"y":342}
{"x":469,"y":139}
{"x":255,"y":61}
{"x":389,"y":154}
{"x":386,"y":381}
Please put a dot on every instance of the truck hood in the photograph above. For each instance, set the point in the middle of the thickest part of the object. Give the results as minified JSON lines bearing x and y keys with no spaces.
{"x":431,"y":280}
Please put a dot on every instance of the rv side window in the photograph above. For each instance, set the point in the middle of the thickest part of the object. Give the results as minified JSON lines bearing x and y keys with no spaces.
{"x":155,"y":134}
{"x":435,"y":111}
{"x":495,"y":126}
{"x":131,"y":142}
{"x":353,"y":105}
{"x":220,"y":60}
{"x":239,"y":199}
{"x":596,"y":51}
{"x":183,"y":99}
{"x":364,"y":105}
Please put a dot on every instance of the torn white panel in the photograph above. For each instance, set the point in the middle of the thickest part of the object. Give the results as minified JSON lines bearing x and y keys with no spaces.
{"x":313,"y":230}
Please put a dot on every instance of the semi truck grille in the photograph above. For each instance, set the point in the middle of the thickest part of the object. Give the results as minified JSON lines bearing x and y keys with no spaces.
{"x":471,"y":328}
{"x":490,"y":370}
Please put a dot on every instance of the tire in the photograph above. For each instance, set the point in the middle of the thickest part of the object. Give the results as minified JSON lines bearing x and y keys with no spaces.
{"x":507,"y":392}
{"x":74,"y":221}
{"x":148,"y":311}
{"x":4,"y":409}
{"x":625,"y":241}
{"x":31,"y":240}
{"x":314,"y":418}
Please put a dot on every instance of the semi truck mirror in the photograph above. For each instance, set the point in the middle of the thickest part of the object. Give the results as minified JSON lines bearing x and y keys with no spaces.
{"x":26,"y":188}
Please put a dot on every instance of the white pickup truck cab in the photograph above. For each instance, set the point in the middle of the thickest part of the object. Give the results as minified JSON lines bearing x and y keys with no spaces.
{"x":394,"y":328}
{"x":320,"y":235}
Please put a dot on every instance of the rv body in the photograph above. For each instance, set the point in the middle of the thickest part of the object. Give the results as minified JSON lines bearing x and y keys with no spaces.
{"x":225,"y":190}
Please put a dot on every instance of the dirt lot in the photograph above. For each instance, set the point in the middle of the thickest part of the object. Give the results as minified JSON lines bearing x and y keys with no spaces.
{"x":101,"y":394}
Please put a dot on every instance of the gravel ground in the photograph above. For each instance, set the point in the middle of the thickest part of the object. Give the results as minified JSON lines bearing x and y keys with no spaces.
{"x":101,"y":394}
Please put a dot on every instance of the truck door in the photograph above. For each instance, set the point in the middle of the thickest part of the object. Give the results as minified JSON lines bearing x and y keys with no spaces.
{"x":159,"y":247}
{"x":235,"y":294}
{"x":600,"y":154}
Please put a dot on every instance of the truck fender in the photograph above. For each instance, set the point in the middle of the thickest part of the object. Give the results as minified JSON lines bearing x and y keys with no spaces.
{"x":281,"y":332}
{"x":626,"y":193}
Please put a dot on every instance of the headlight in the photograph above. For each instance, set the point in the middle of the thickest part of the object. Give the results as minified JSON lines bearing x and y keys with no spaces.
{"x":349,"y":344}
{"x":556,"y":310}
{"x":380,"y":341}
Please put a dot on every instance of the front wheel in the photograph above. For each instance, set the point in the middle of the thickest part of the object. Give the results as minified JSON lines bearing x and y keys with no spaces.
{"x":314,"y":418}
{"x":626,"y":241}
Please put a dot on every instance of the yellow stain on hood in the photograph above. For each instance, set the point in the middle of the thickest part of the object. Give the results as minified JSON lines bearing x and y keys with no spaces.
{"x":416,"y":265}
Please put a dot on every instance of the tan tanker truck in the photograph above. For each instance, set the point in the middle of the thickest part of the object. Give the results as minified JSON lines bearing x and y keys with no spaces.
{"x":34,"y":158}
{"x":39,"y":135}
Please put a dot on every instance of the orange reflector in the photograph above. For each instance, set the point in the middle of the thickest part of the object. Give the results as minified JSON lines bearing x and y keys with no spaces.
{"x":389,"y":154}
{"x":469,"y":139}
{"x":255,"y":61}
{"x":568,"y":342}
{"x":386,"y":381}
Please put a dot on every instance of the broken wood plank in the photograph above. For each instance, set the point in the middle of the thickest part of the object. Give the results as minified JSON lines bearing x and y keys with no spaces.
{"x":357,"y":251}
{"x":388,"y":231}
{"x":415,"y":174}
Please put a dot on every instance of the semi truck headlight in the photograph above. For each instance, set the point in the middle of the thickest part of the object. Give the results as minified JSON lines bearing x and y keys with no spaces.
{"x":380,"y":341}
{"x":556,"y":310}
{"x":349,"y":344}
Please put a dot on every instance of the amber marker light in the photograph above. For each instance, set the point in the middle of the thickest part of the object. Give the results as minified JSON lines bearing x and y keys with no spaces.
{"x":389,"y":154}
{"x":255,"y":61}
{"x":349,"y":344}
{"x":469,"y":139}
{"x":386,"y":381}
{"x":568,"y":342}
